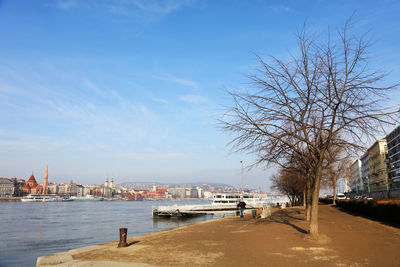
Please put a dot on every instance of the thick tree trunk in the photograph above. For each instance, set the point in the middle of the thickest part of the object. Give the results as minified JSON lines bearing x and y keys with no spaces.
{"x":308,"y":201}
{"x":308,"y":208}
{"x":304,"y":198}
{"x":314,"y":202}
{"x":334,"y":192}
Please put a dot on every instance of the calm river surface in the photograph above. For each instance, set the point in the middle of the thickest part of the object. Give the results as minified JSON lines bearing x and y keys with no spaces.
{"x":29,"y":230}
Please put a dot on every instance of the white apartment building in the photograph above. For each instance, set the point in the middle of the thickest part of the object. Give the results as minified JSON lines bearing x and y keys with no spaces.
{"x":356,"y":180}
{"x":365,"y":172}
{"x":393,"y":145}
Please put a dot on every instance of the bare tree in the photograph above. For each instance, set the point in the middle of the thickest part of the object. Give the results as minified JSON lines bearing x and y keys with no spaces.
{"x":337,"y":166}
{"x":300,"y":162}
{"x":290,"y":182}
{"x":321,"y":96}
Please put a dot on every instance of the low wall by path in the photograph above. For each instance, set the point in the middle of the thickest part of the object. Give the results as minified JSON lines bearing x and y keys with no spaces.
{"x":378,"y":195}
{"x":395,"y":194}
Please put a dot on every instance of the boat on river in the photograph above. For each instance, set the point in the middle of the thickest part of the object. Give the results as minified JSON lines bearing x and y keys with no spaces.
{"x":45,"y":198}
{"x":232,"y":199}
{"x":87,"y":198}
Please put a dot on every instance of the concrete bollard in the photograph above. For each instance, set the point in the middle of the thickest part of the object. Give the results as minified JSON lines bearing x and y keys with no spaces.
{"x":123,"y":232}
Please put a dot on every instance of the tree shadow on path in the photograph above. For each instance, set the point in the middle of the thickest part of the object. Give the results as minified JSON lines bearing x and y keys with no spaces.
{"x":288,"y":217}
{"x":358,"y":214}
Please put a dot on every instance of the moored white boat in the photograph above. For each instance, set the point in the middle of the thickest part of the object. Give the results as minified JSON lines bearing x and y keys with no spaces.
{"x":231,"y":200}
{"x":87,"y":198}
{"x":45,"y":198}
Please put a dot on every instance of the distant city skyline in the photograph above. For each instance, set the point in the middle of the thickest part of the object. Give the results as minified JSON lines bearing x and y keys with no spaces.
{"x":134,"y":89}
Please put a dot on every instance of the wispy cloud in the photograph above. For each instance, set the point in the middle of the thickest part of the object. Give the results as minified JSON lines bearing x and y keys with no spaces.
{"x":161,"y":7}
{"x":27,"y":143}
{"x":193,"y":99}
{"x":137,"y":9}
{"x":92,"y":86}
{"x":153,"y":156}
{"x":280,"y":8}
{"x":96,"y":113}
{"x":161,"y":101}
{"x":177,"y":80}
{"x":12,"y":143}
{"x":65,"y":4}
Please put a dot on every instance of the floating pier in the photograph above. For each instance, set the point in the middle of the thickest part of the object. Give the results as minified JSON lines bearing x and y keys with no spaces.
{"x":187,"y":211}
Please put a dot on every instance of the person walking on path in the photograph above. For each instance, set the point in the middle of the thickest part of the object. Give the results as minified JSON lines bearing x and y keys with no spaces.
{"x":242,"y":206}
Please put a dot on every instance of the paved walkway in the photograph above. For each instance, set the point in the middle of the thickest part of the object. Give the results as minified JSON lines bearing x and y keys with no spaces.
{"x":346,"y":240}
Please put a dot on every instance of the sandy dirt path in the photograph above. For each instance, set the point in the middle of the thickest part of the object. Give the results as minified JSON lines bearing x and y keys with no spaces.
{"x":281,"y":240}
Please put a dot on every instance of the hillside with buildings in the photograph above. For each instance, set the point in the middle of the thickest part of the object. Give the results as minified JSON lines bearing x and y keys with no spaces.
{"x":15,"y":187}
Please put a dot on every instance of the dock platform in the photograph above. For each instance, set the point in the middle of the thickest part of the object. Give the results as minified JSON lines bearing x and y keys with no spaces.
{"x":189,"y":210}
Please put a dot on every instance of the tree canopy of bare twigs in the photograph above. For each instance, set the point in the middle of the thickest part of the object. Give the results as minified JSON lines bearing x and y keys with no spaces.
{"x":291,"y":182}
{"x":324,"y":95}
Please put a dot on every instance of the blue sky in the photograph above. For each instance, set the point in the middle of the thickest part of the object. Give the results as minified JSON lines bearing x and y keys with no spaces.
{"x":133,"y":88}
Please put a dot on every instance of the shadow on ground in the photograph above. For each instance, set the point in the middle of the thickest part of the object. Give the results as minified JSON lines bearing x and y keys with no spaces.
{"x":133,"y":243}
{"x":288,"y":217}
{"x":353,"y":213}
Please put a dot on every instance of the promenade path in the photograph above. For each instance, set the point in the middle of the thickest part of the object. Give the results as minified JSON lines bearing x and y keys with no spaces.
{"x":281,"y":240}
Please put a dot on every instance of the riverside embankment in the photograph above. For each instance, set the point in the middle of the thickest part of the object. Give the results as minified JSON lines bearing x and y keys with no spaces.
{"x":10,"y":199}
{"x":281,"y":240}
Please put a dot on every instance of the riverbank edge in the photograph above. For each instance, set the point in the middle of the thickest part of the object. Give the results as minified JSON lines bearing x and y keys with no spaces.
{"x":217,"y":242}
{"x":18,"y":199}
{"x":66,"y":258}
{"x":10,"y":199}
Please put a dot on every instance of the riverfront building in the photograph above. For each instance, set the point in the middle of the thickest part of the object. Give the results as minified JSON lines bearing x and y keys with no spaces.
{"x":53,"y":188}
{"x":365,"y":172}
{"x":393,"y":145}
{"x":31,"y":186}
{"x":379,"y":166}
{"x":178,"y":192}
{"x":356,"y":184}
{"x":64,"y":189}
{"x":18,"y":185}
{"x":6,"y":187}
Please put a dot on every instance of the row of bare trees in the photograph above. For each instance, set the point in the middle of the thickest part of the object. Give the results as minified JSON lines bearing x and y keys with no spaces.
{"x":308,"y":112}
{"x":295,"y":179}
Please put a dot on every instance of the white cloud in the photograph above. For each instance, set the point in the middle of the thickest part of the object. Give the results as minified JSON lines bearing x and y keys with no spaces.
{"x":12,"y":143}
{"x":92,"y":86}
{"x":66,"y":4}
{"x":161,"y":101}
{"x":27,"y":143}
{"x":281,"y":8}
{"x":162,"y":7}
{"x":117,"y":96}
{"x":173,"y":79}
{"x":75,"y":103}
{"x":193,"y":99}
{"x":153,"y":156}
{"x":144,"y":111}
{"x":143,"y":10}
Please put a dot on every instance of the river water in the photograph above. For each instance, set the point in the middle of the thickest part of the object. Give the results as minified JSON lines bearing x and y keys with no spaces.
{"x":32,"y":229}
